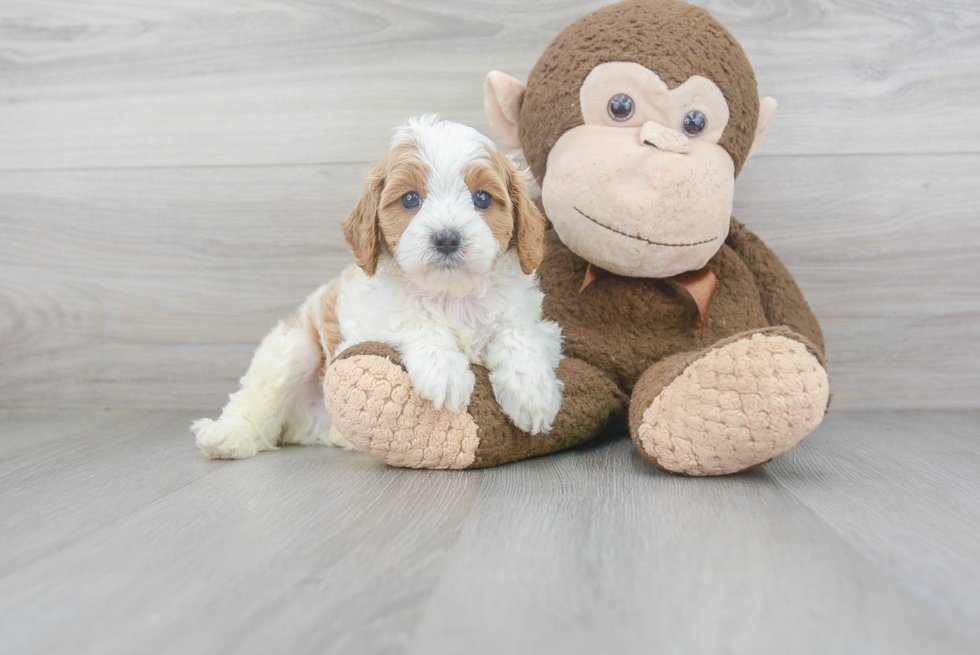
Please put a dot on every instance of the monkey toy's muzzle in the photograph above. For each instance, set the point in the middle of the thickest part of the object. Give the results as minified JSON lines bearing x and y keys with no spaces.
{"x":663,"y":138}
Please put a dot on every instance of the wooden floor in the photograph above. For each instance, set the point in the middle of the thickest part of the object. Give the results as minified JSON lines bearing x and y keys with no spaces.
{"x":117,"y":536}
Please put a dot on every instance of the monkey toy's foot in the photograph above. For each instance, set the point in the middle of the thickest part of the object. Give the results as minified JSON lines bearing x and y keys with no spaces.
{"x":370,"y":398}
{"x":736,"y":404}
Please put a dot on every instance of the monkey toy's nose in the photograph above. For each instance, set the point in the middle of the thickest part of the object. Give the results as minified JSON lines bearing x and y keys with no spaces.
{"x":446,"y":241}
{"x":664,"y":138}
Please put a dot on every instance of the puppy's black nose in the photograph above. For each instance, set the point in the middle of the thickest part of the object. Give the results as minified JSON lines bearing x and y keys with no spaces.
{"x":446,"y":242}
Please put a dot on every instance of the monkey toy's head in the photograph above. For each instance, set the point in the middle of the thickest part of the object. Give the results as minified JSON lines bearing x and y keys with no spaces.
{"x":636,"y":121}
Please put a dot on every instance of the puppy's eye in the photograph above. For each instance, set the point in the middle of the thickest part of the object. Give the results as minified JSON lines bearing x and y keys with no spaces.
{"x":482,"y":200}
{"x":694,"y":123}
{"x":411,"y":200}
{"x":621,"y":107}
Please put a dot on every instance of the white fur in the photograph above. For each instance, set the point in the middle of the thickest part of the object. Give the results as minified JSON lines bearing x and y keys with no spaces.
{"x":446,"y":148}
{"x":441,"y":317}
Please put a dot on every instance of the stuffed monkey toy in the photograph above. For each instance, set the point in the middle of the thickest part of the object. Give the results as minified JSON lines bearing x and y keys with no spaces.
{"x":677,"y":319}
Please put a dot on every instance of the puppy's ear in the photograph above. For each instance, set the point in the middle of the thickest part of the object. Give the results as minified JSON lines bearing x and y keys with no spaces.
{"x":361,"y":226}
{"x":528,"y":221}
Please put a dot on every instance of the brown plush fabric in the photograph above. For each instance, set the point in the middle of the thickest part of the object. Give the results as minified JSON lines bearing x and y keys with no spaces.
{"x":623,"y":325}
{"x":673,"y":39}
{"x":782,"y":300}
{"x":375,"y":348}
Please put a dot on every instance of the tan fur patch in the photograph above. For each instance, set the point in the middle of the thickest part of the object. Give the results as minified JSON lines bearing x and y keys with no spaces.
{"x":529,"y":223}
{"x":318,"y":316}
{"x":492,"y":177}
{"x":361,"y":225}
{"x":379,"y":213}
{"x":406,"y":172}
{"x":513,"y":218}
{"x":328,"y":333}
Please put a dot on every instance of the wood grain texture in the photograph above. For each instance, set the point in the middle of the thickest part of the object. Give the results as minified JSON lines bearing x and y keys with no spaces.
{"x":131,"y":288}
{"x":882,"y":494}
{"x":863,"y":539}
{"x":171,"y":177}
{"x":196,"y":82}
{"x":146,"y":546}
{"x":152,"y":287}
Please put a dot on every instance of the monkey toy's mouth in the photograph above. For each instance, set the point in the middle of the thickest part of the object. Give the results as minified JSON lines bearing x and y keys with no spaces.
{"x":645,"y":240}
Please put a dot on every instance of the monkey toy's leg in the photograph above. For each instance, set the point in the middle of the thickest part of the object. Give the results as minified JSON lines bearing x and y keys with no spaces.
{"x":370,"y":399}
{"x":735,"y":404}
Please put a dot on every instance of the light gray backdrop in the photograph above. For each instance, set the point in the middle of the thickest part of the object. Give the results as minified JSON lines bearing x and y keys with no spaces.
{"x":172,"y":176}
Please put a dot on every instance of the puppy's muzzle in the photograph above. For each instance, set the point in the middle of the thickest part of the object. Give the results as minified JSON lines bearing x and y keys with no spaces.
{"x":447,"y":241}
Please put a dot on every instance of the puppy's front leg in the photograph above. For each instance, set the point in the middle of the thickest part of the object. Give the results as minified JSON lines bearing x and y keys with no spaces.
{"x":522,"y":360}
{"x":439,"y":372}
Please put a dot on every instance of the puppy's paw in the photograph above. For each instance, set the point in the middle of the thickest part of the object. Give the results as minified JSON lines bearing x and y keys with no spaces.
{"x":531,"y":398}
{"x":224,"y":439}
{"x":332,"y":437}
{"x":443,"y":377}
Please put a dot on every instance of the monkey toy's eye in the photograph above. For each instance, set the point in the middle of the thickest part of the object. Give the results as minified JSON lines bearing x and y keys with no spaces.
{"x":411,"y":200}
{"x":694,"y":123}
{"x":482,"y":200}
{"x":621,"y":107}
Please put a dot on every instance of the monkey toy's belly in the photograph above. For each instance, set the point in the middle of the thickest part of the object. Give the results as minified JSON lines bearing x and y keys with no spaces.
{"x":623,"y":325}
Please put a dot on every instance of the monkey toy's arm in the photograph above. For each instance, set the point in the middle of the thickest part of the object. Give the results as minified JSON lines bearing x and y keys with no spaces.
{"x":782,"y":299}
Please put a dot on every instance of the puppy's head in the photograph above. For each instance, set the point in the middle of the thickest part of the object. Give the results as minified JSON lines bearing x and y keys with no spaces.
{"x":446,"y":204}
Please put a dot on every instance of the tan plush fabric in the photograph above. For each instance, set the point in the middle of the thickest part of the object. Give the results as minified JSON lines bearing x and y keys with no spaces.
{"x":371,"y":402}
{"x":732,"y":407}
{"x":633,"y":209}
{"x":674,"y":39}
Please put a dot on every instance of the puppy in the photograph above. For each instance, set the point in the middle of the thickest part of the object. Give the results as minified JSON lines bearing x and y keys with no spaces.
{"x":446,"y":239}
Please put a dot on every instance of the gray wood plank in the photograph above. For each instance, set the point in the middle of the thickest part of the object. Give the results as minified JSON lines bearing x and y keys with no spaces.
{"x":198,"y":82}
{"x":152,"y":287}
{"x":903,"y":489}
{"x":79,"y":478}
{"x":847,"y":544}
{"x":134,"y":287}
{"x":24,"y":431}
{"x":302,"y":550}
{"x":598,"y":552}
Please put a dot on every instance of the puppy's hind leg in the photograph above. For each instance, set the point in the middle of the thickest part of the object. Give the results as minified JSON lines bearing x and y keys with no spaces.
{"x":255,"y":416}
{"x":306,"y":419}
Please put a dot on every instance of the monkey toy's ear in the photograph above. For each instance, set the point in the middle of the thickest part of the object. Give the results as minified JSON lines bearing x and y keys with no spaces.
{"x":502,"y":98}
{"x":767,"y":107}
